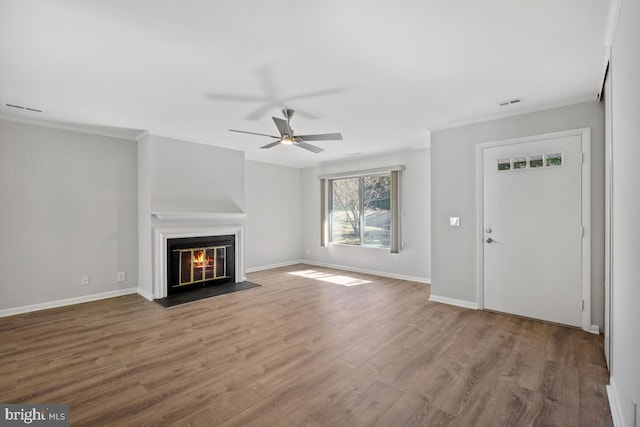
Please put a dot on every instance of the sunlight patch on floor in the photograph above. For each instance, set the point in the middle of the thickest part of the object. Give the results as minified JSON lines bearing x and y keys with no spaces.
{"x":336,"y":279}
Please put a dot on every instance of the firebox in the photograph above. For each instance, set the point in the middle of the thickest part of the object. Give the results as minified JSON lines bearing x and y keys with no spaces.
{"x":196,"y":262}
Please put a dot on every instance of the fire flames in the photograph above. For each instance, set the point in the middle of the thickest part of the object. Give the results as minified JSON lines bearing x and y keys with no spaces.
{"x":198,"y":259}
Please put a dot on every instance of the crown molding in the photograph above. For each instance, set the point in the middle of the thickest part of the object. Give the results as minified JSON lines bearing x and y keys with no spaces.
{"x":142,"y":135}
{"x":64,"y":126}
{"x":514,"y":113}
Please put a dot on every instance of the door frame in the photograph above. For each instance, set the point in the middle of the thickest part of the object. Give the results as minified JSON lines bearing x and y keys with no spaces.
{"x":585,"y":138}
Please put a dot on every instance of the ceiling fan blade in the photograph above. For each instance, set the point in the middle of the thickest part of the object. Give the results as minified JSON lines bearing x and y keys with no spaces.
{"x":282,"y":126}
{"x":260,"y":111}
{"x":309,"y":147}
{"x":306,"y":115}
{"x":321,"y":137}
{"x":237,"y":98}
{"x":273,"y":144}
{"x":314,"y":94}
{"x":253,"y":133}
{"x":265,"y":79}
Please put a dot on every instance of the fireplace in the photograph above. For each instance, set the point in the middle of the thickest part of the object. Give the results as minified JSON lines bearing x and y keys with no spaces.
{"x":165,"y":231}
{"x":196,"y":262}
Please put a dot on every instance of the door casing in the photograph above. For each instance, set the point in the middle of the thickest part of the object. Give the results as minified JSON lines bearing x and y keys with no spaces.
{"x":585,"y":138}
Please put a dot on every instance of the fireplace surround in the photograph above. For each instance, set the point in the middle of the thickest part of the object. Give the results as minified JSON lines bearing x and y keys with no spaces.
{"x":163,"y":235}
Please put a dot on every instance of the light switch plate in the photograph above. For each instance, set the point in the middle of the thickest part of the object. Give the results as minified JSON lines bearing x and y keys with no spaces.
{"x":454,"y":221}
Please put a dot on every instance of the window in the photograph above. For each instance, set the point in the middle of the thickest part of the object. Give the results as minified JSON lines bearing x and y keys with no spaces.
{"x":361,"y":208}
{"x":360,"y":211}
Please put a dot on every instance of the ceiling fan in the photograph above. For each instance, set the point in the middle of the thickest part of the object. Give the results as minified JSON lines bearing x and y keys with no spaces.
{"x":289,"y":138}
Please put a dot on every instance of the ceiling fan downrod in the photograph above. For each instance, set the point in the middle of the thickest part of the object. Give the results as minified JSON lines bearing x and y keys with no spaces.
{"x":288,"y":113}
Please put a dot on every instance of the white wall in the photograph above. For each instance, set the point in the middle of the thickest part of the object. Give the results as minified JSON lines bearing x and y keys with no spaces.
{"x":273,"y":227}
{"x":68,"y":208}
{"x":183,"y":177}
{"x":453,"y":192}
{"x":414,"y":261}
{"x":625,"y":98}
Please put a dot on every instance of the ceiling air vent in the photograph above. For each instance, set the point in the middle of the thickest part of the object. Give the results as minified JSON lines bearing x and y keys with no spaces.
{"x":510,"y":102}
{"x":22,"y":107}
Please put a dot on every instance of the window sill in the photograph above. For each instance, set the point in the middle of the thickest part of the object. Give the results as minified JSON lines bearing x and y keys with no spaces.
{"x":385,"y":248}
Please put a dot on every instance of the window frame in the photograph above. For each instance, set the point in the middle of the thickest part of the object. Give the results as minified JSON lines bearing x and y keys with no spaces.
{"x":326,"y":206}
{"x":361,"y":210}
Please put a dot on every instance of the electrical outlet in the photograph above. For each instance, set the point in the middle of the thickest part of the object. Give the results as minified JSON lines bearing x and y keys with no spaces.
{"x":84,"y":280}
{"x":122,"y":276}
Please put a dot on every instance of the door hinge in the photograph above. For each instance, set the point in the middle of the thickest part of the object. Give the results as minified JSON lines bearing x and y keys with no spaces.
{"x":581,"y":157}
{"x":582,"y":305}
{"x":582,"y":231}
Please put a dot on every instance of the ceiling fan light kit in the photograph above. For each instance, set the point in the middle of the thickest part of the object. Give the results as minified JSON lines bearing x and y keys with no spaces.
{"x":287,"y":136}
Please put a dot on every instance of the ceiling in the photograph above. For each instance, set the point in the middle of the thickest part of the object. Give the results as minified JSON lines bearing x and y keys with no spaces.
{"x":380,"y":72}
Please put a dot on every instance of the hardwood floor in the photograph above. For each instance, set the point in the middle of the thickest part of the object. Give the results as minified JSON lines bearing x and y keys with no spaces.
{"x":310,"y":347}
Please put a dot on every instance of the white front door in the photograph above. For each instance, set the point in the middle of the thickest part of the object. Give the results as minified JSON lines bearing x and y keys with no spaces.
{"x":532,"y":203}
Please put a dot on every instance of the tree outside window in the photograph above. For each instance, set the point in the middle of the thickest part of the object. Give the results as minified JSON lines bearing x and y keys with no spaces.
{"x":361,"y":211}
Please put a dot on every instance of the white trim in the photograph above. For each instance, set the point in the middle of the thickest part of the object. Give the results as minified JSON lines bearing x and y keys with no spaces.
{"x":614,"y":404}
{"x":162,"y":234}
{"x":142,"y":135}
{"x":609,"y":36}
{"x":425,"y":280}
{"x":612,"y":22}
{"x":368,"y":271}
{"x":67,"y":301}
{"x":585,"y":137}
{"x":595,"y":329}
{"x":144,"y":294}
{"x":608,"y":224}
{"x":65,"y":126}
{"x":452,"y":301}
{"x":362,"y":172}
{"x":272,"y":266}
{"x":511,"y":113}
{"x":197,"y":216}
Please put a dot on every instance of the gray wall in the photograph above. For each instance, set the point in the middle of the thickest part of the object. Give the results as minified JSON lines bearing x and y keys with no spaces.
{"x":273,"y":226}
{"x":190,"y":177}
{"x":181,"y":176}
{"x":413,"y":262}
{"x":453,"y":193}
{"x":625,"y":98}
{"x":68,"y":208}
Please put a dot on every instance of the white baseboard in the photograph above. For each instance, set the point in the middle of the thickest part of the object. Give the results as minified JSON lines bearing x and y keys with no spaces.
{"x":145,"y":294}
{"x":271,"y":266}
{"x":340,"y":267}
{"x":614,"y":404}
{"x":64,"y":302}
{"x":595,"y":329}
{"x":453,"y":301}
{"x":367,"y":271}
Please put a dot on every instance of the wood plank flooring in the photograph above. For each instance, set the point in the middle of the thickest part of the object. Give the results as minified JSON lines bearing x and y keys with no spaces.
{"x":310,"y":347}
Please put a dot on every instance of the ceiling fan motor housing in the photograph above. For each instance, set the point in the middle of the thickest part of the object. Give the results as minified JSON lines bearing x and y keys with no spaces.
{"x":288,"y":113}
{"x":288,"y":137}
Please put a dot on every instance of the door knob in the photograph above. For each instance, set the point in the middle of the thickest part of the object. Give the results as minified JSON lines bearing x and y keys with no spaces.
{"x":490,"y":240}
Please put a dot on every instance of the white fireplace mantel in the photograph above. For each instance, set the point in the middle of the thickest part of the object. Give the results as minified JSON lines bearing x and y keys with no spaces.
{"x":197,"y":216}
{"x":162,"y":234}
